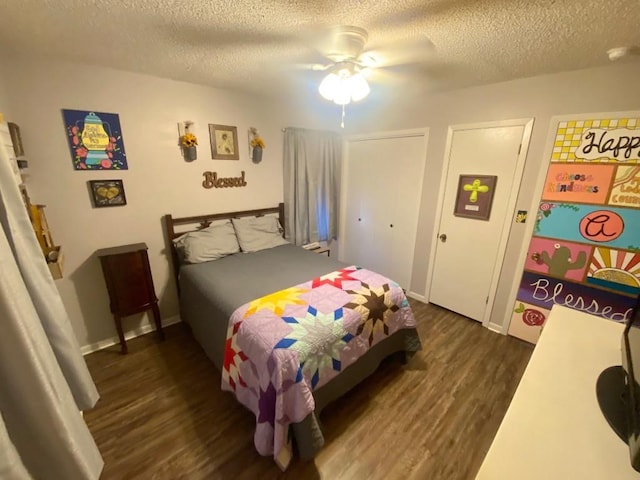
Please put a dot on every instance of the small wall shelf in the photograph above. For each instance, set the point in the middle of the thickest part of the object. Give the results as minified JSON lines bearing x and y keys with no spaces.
{"x":52,"y":253}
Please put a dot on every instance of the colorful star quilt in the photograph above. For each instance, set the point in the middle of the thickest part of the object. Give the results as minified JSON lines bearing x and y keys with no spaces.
{"x":283,"y":346}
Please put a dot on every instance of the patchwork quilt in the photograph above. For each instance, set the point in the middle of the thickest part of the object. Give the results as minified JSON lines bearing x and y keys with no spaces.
{"x":283,"y":346}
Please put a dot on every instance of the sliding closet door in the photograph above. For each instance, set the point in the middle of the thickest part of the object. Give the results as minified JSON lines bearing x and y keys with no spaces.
{"x":363,"y":227}
{"x":383,"y":180}
{"x":407,"y":171}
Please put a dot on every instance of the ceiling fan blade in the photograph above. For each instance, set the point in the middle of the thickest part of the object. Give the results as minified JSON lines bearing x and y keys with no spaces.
{"x":433,"y":76}
{"x":384,"y":76}
{"x":312,"y":67}
{"x":418,"y":49}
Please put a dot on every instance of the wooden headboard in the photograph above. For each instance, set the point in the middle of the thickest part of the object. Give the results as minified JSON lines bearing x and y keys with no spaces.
{"x":198,"y":222}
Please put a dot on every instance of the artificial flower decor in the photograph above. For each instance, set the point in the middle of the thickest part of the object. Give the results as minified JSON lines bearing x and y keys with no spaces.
{"x":189,"y":140}
{"x":257,"y":141}
{"x":188,"y":143}
{"x":256,"y":144}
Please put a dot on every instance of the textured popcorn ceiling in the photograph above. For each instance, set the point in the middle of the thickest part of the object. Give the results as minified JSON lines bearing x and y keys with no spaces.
{"x":255,"y":46}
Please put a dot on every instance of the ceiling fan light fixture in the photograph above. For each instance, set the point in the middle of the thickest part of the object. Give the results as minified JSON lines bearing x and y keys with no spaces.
{"x":359,"y":87}
{"x":344,"y":85}
{"x":329,"y":85}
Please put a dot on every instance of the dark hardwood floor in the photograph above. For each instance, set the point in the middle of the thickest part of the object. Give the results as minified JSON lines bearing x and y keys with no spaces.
{"x":162,"y":414}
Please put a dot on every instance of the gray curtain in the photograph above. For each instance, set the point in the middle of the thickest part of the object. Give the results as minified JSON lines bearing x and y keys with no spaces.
{"x":312,"y":165}
{"x":44,"y":381}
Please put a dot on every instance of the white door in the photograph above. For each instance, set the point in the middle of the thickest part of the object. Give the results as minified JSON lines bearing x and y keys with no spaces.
{"x":469,"y":251}
{"x":382,"y":189}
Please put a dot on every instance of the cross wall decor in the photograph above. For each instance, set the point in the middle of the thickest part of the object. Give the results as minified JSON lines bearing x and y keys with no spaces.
{"x":475,"y":196}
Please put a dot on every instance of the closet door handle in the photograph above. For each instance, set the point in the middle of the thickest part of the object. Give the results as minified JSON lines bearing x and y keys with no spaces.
{"x":391,"y":225}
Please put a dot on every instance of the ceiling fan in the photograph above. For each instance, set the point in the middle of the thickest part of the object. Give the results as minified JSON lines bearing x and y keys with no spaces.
{"x":349,"y":65}
{"x":346,"y":80}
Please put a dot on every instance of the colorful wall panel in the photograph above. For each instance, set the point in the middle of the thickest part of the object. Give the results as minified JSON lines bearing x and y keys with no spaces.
{"x":585,"y":249}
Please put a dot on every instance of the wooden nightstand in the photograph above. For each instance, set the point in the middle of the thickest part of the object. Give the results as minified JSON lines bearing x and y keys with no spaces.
{"x":129,"y":283}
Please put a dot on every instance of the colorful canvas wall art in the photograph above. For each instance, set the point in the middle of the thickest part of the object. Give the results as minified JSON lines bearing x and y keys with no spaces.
{"x":585,"y":249}
{"x":527,"y":321}
{"x":559,"y":258}
{"x":625,"y":191}
{"x":617,"y":270}
{"x":95,"y":140}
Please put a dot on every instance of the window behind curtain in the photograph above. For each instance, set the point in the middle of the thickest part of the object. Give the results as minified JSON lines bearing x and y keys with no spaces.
{"x":312,"y":163}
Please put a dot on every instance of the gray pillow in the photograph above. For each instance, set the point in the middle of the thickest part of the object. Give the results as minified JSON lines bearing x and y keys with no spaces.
{"x":258,"y":233}
{"x":211,"y":243}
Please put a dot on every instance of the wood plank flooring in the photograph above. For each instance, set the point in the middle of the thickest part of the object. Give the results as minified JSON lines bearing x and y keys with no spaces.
{"x":162,"y":414}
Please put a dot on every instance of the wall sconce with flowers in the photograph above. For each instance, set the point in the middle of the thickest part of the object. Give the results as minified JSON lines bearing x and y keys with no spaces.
{"x":188,"y":142}
{"x":256,"y":145}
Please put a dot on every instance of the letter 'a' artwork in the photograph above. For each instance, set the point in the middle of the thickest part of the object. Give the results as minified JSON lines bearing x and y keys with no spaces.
{"x":585,"y":249}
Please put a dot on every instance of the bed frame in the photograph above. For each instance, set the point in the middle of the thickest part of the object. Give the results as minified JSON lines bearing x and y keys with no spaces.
{"x":198,"y":222}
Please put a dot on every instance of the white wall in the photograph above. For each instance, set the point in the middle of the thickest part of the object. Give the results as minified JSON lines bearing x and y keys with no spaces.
{"x":5,"y":98}
{"x":157,"y":182}
{"x":611,"y":88}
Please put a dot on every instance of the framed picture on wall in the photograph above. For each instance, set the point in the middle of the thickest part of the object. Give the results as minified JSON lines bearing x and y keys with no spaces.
{"x":95,"y":140}
{"x":475,"y":196}
{"x":224,"y":142}
{"x":107,"y":193}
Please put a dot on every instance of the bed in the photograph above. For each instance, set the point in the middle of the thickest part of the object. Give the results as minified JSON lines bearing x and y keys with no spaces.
{"x":218,"y":299}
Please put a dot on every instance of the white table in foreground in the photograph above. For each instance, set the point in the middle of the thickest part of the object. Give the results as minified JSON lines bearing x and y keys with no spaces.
{"x":554,"y":428}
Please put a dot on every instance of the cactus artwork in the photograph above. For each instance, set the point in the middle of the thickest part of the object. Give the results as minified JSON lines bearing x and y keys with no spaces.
{"x":560,"y":263}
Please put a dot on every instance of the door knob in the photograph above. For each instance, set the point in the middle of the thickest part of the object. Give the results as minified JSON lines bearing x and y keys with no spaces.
{"x":443,"y":238}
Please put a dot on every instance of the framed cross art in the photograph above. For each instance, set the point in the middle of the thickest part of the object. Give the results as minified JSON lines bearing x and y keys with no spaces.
{"x":475,"y":196}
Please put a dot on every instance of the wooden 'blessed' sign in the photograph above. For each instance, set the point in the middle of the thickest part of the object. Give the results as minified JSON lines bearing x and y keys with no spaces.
{"x":211,"y":180}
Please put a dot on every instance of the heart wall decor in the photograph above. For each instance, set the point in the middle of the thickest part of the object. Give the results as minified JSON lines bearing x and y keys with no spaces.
{"x":107,"y":193}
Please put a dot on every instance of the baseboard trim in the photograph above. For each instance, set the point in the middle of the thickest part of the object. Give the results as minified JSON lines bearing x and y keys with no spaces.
{"x":495,"y":327}
{"x":417,"y":296}
{"x":94,"y":347}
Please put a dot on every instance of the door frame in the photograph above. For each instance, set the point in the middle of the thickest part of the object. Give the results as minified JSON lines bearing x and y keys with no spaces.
{"x":527,"y":123}
{"x":413,"y":132}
